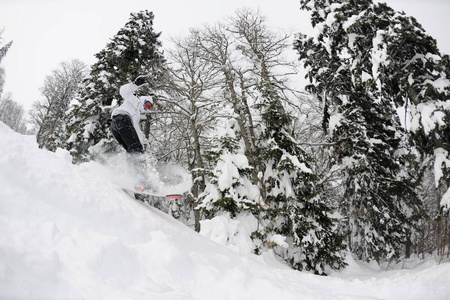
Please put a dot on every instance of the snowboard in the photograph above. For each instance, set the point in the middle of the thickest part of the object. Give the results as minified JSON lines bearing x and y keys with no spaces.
{"x":150,"y":194}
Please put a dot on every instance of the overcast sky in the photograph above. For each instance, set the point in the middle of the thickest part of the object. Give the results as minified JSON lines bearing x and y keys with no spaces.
{"x":47,"y":32}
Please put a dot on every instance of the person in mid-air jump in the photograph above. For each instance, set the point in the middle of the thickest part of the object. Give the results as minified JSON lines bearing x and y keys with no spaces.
{"x":125,"y":127}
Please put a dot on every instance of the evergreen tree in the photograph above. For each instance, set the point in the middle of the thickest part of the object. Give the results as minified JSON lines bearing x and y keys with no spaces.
{"x":254,"y":165}
{"x":288,"y":202}
{"x":417,"y":77}
{"x":294,"y":193}
{"x":350,"y":68}
{"x":229,"y":187}
{"x":133,"y":51}
{"x":11,"y":112}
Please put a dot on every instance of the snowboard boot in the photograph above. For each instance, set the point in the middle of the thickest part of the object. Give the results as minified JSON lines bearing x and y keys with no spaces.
{"x":142,"y":185}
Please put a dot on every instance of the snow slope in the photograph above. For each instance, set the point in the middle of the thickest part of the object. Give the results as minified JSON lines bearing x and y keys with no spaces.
{"x":68,"y":232}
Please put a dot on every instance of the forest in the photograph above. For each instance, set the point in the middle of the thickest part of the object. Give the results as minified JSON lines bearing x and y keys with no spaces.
{"x":354,"y":161}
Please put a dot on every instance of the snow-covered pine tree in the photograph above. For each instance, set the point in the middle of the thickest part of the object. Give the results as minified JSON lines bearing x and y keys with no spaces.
{"x":133,"y":51}
{"x":229,"y":187}
{"x":347,"y":66}
{"x":293,"y":206}
{"x":11,"y":112}
{"x":417,"y":76}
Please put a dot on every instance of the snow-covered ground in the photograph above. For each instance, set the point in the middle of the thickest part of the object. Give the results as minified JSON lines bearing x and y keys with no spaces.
{"x":70,"y":232}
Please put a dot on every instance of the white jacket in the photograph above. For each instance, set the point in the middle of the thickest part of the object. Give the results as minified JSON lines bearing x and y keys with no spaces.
{"x":132,"y":106}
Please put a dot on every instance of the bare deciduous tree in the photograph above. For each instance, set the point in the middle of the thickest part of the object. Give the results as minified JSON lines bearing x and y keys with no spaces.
{"x":48,"y":115}
{"x":192,"y":84}
{"x":12,"y":114}
{"x":3,"y":50}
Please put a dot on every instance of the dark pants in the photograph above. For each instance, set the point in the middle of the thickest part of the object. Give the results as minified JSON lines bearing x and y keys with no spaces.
{"x":124,"y":132}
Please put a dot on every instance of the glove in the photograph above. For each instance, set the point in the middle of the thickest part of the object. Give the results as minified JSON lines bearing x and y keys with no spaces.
{"x":141,"y":80}
{"x":145,"y":144}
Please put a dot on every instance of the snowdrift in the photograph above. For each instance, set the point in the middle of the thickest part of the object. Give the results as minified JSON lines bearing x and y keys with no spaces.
{"x":68,"y":232}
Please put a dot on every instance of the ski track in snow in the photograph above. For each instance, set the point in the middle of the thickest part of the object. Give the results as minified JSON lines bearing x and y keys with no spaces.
{"x":66,"y":232}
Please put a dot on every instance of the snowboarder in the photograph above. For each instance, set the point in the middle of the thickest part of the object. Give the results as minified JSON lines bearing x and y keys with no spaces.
{"x":125,"y":127}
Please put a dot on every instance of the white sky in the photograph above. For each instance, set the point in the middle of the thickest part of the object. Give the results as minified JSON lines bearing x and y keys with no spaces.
{"x":47,"y":32}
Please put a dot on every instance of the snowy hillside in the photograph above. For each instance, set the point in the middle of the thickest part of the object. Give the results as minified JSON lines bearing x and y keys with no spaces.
{"x":69,"y":232}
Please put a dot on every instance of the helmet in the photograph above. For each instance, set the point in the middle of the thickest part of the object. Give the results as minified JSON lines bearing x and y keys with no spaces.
{"x":148,"y":103}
